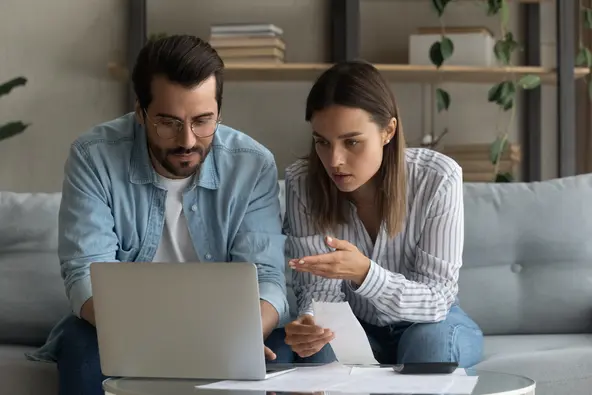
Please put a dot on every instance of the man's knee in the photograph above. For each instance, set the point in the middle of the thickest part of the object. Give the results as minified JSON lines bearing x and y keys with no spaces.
{"x":276,"y":341}
{"x":445,"y":341}
{"x":78,"y":359}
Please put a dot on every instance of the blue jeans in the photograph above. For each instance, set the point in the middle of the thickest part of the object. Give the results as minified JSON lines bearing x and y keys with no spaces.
{"x":456,"y":339}
{"x":284,"y":353}
{"x":79,"y":366}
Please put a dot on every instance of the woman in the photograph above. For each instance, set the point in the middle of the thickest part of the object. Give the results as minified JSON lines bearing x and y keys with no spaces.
{"x":377,"y":225}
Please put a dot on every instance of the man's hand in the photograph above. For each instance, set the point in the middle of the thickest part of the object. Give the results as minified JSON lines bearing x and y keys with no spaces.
{"x":346,"y":262}
{"x":305,"y":337}
{"x":269,"y":355}
{"x":87,"y":312}
{"x":269,"y":320}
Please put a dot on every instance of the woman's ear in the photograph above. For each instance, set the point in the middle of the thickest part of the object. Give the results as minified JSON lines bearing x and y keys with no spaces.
{"x":390,"y":131}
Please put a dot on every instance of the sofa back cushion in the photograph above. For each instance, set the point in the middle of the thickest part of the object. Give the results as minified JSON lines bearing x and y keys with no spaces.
{"x":31,"y":289}
{"x":528,"y":256}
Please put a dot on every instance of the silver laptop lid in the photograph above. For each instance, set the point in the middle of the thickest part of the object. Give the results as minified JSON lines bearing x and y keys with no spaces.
{"x":178,"y":320}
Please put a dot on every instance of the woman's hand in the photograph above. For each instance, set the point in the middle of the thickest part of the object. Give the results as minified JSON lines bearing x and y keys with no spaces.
{"x":305,"y":338}
{"x":346,"y":262}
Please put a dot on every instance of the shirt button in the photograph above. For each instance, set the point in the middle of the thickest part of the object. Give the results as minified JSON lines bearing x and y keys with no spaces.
{"x":208,"y":256}
{"x":194,"y":207}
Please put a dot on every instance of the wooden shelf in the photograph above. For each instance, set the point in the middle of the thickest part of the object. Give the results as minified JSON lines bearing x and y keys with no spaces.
{"x":392,"y":72}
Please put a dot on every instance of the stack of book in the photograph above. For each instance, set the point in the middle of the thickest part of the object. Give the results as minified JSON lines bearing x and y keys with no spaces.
{"x":248,"y":43}
{"x":476,"y":162}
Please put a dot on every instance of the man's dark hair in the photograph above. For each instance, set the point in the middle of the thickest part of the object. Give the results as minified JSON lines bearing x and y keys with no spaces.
{"x":183,"y":59}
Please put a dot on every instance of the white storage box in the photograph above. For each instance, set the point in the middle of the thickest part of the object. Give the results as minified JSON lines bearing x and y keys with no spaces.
{"x":473,"y":46}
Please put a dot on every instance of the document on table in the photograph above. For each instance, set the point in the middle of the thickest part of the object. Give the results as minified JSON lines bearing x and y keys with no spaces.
{"x":351,"y":344}
{"x":339,"y":378}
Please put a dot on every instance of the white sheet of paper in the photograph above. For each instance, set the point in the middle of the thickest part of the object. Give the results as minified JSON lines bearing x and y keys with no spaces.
{"x":339,"y":378}
{"x":351,"y":344}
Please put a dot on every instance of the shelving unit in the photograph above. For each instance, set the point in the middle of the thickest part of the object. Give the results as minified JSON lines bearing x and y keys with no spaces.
{"x":344,"y":21}
{"x":393,"y":72}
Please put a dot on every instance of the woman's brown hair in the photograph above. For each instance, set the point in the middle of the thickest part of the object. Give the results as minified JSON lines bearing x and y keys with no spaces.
{"x":358,"y":84}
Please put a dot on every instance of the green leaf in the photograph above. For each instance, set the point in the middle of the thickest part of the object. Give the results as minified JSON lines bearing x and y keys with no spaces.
{"x":494,"y":6}
{"x":440,"y":6}
{"x":503,"y":94}
{"x":442,"y":99}
{"x":6,"y":87}
{"x":504,"y":177}
{"x":587,"y":12}
{"x":502,"y":52}
{"x":436,"y":54}
{"x":506,"y":99}
{"x":584,"y":58}
{"x":529,"y":81}
{"x":446,"y":47}
{"x":497,"y":149}
{"x":12,"y":129}
{"x":507,"y":103}
{"x":504,"y":48}
{"x":495,"y":93}
{"x":441,"y":50}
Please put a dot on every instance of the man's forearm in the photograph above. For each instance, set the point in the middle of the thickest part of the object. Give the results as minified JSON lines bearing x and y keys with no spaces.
{"x":87,"y":312}
{"x":269,"y":318}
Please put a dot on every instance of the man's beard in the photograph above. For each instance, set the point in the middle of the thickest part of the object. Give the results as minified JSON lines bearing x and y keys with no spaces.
{"x":161,"y":155}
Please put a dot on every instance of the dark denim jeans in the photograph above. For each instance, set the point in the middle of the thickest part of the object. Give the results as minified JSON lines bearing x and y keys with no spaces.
{"x":80,"y":370}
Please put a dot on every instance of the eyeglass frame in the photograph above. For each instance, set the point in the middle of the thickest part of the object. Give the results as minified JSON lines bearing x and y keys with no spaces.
{"x":181,"y":126}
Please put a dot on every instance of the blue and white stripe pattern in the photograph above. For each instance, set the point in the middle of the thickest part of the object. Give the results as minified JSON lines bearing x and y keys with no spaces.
{"x":413,"y":276}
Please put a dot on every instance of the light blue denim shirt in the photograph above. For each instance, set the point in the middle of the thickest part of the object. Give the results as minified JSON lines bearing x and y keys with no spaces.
{"x":113,"y":209}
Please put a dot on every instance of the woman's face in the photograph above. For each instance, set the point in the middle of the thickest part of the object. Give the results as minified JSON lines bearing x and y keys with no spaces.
{"x":349,"y":144}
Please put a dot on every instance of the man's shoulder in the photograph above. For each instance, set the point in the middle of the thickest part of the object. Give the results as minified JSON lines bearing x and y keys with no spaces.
{"x":107,"y":136}
{"x":230,"y":141}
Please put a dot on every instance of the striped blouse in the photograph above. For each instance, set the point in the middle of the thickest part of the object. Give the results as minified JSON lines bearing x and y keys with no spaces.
{"x":414,"y":275}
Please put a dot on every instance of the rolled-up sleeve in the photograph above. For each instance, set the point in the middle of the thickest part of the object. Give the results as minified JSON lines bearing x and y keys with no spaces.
{"x":85,"y":226}
{"x":260,"y":240}
{"x":303,"y":241}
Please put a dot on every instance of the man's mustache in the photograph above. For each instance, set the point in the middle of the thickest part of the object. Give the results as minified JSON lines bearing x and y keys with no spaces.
{"x":185,"y":151}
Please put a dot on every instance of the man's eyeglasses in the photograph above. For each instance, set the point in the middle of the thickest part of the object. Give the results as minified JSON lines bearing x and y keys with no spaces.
{"x":169,"y":128}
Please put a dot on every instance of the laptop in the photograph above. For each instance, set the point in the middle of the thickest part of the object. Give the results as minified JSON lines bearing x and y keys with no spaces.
{"x":180,"y":320}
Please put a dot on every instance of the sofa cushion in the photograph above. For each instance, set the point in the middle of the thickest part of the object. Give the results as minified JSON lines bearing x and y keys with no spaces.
{"x":528,"y":256}
{"x":20,"y":376}
{"x":560,"y":364}
{"x":31,"y":288}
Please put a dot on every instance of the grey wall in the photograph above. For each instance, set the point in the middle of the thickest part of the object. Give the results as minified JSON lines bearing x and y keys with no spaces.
{"x":65,"y":47}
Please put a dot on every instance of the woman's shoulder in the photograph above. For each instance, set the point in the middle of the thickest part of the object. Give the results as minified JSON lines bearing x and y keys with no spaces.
{"x":431,"y":164}
{"x":296,"y":173}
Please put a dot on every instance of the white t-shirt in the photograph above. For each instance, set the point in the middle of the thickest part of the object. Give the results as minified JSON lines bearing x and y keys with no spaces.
{"x":175,"y":244}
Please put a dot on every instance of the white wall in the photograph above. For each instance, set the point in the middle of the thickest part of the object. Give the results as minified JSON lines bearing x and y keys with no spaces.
{"x":64,"y":48}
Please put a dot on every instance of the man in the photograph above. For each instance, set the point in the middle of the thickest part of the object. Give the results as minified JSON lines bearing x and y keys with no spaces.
{"x":167,"y":183}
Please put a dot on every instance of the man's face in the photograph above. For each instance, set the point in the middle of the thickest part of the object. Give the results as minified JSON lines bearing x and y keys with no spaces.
{"x":177,"y":151}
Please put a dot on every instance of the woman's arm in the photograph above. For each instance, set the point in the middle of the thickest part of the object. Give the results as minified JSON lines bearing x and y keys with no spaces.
{"x":302,"y":240}
{"x":430,"y":290}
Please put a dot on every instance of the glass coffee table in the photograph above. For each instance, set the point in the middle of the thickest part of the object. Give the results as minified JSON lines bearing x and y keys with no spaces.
{"x":489,"y":383}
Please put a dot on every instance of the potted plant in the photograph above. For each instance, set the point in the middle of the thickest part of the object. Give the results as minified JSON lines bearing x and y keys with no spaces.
{"x":502,"y":94}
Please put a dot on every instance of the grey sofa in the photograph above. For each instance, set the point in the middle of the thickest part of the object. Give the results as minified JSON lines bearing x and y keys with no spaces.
{"x":527,"y":280}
